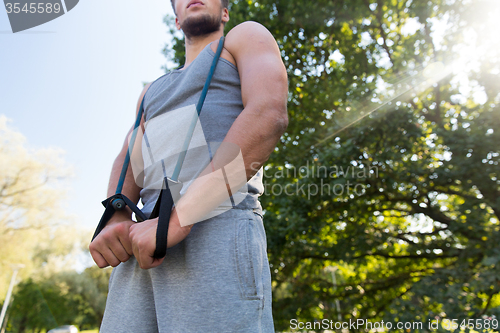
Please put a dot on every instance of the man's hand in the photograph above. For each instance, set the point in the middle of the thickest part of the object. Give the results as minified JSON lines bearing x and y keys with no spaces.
{"x":143,"y":238}
{"x":113,"y":244}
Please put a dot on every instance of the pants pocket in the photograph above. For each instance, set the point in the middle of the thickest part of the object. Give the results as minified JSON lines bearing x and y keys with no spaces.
{"x":249,"y":258}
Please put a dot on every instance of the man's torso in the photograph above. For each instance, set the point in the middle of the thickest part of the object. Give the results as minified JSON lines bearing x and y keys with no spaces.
{"x":169,"y":104}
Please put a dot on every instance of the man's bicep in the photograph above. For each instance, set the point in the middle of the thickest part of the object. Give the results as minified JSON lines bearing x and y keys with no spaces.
{"x":264,"y":82}
{"x":263,"y":75}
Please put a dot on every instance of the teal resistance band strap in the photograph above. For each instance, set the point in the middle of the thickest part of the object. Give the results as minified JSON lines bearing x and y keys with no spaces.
{"x":189,"y":135}
{"x":119,"y":201}
{"x":126,"y":162}
{"x":165,"y":202}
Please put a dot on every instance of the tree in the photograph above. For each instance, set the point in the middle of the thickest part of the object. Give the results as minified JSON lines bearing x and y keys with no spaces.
{"x":402,"y":202}
{"x":34,"y":230}
{"x":63,"y":298}
{"x":30,"y":310}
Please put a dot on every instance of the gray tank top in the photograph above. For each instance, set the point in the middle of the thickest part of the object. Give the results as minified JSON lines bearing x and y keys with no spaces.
{"x":175,"y":94}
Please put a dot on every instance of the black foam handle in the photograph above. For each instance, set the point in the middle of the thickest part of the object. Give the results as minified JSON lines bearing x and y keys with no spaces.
{"x":106,"y":216}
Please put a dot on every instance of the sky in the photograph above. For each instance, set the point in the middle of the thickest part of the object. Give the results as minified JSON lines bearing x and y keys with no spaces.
{"x":73,"y":84}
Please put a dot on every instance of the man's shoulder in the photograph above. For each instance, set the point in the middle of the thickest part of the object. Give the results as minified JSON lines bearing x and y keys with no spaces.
{"x":247,"y":34}
{"x":247,"y":27}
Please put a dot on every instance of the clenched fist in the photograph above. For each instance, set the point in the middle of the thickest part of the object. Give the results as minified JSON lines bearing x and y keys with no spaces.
{"x":113,"y":244}
{"x":143,"y":238}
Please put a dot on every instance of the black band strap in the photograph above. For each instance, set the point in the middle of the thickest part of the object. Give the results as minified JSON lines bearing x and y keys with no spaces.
{"x":163,"y":208}
{"x":110,"y":210}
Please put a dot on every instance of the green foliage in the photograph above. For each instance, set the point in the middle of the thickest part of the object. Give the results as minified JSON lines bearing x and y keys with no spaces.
{"x":62,"y":299}
{"x":174,"y":51}
{"x":420,"y":240}
{"x":30,"y":311}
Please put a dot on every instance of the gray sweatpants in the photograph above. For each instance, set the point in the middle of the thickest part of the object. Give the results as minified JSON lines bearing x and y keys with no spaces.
{"x":216,"y":280}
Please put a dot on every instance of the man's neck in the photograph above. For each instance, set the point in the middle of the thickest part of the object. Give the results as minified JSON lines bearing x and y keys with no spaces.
{"x":195,"y":45}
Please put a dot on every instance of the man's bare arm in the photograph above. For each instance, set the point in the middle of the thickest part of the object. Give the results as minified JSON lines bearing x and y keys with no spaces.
{"x":264,"y":91}
{"x":113,"y":245}
{"x":130,"y":188}
{"x":255,"y":132}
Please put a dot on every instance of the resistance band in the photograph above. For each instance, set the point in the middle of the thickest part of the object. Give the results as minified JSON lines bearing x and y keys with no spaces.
{"x":172,"y":186}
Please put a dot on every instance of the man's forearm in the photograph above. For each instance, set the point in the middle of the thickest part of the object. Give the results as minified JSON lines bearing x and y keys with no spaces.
{"x":130,"y":188}
{"x":256,"y":133}
{"x":254,"y":141}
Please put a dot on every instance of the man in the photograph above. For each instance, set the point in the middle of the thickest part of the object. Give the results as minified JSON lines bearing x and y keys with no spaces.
{"x":215,"y":276}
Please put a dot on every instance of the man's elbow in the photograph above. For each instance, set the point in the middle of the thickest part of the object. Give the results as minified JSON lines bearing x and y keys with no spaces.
{"x":280,"y":120}
{"x":273,"y":118}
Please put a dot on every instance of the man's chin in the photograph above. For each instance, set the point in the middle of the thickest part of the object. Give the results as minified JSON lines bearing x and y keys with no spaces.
{"x":201,"y":25}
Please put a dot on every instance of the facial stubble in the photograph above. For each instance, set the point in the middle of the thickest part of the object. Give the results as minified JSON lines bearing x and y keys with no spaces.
{"x":201,"y":25}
